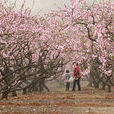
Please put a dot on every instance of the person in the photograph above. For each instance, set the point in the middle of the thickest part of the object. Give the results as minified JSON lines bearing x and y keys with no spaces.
{"x":77,"y":76}
{"x":67,"y":77}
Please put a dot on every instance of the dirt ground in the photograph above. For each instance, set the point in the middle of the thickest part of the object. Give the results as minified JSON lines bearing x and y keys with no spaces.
{"x":59,"y":101}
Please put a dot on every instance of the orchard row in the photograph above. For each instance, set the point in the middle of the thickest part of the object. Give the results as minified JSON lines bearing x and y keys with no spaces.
{"x":34,"y":49}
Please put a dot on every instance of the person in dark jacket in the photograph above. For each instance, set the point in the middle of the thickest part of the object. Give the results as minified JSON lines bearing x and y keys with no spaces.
{"x":77,"y":76}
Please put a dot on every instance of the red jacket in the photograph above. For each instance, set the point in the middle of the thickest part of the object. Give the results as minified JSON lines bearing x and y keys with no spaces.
{"x":77,"y":73}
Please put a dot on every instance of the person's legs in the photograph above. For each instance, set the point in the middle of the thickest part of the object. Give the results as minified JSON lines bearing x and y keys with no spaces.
{"x":68,"y":85}
{"x":74,"y":85}
{"x":78,"y":83}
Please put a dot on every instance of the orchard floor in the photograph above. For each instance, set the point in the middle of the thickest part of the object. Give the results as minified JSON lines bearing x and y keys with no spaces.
{"x":58,"y":101}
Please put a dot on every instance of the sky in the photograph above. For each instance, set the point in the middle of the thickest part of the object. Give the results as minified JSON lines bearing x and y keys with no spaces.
{"x":46,"y":5}
{"x":42,"y":6}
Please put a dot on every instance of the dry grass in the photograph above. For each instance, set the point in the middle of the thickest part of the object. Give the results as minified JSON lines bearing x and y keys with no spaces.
{"x":87,"y":101}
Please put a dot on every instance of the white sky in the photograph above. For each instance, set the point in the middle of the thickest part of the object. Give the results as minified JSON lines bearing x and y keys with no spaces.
{"x":46,"y":5}
{"x":43,"y":6}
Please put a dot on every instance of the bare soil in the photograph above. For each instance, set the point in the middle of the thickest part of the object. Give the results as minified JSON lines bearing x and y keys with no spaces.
{"x":59,"y":101}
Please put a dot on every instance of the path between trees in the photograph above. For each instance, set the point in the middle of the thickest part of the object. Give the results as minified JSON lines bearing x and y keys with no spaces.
{"x":58,"y":101}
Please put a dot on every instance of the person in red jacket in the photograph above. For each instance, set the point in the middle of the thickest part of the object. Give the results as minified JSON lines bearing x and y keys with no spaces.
{"x":77,"y":76}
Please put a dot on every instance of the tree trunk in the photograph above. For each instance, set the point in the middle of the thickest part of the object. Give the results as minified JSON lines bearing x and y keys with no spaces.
{"x":14,"y":93}
{"x":24,"y":91}
{"x":5,"y":93}
{"x":109,"y":88}
{"x":41,"y":86}
{"x":96,"y":84}
{"x":103,"y":86}
{"x":44,"y":85}
{"x":90,"y":81}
